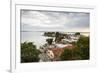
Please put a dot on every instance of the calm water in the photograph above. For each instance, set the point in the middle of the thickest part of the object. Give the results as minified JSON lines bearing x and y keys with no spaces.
{"x":37,"y":37}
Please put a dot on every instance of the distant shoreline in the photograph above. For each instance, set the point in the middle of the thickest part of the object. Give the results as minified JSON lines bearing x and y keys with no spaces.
{"x":54,"y":31}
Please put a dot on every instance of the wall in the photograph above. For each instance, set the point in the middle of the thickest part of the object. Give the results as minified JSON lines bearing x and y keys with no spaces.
{"x":5,"y":36}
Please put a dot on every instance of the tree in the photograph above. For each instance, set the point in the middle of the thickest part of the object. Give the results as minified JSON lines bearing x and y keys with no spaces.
{"x":77,"y":33}
{"x":29,"y":53}
{"x":59,"y":37}
{"x":80,"y":50}
{"x":49,"y":34}
{"x":70,"y":54}
{"x":83,"y":44}
{"x":49,"y":41}
{"x":66,"y":55}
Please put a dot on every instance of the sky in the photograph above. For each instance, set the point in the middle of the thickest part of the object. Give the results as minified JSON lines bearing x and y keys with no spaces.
{"x":36,"y":20}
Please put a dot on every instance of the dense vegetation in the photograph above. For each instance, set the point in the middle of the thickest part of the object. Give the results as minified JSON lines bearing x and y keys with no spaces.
{"x":79,"y":52}
{"x":77,"y":33}
{"x":49,"y":41}
{"x":66,"y":55}
{"x":29,"y":53}
{"x":58,"y":36}
{"x":49,"y":34}
{"x":83,"y":44}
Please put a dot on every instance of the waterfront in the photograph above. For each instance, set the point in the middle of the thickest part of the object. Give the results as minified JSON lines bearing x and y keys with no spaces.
{"x":38,"y":37}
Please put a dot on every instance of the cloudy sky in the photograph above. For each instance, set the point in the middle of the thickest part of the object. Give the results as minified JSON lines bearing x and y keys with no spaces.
{"x":54,"y":21}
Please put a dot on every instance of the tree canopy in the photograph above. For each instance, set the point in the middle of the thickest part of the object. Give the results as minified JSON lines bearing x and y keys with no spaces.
{"x":29,"y":53}
{"x":79,"y":52}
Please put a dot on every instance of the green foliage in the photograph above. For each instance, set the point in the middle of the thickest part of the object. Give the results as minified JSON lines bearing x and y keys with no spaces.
{"x":66,"y":55}
{"x":59,"y":37}
{"x":49,"y":34}
{"x":29,"y":53}
{"x":79,"y":52}
{"x":83,"y":44}
{"x":49,"y":41}
{"x":70,"y":54}
{"x":77,"y":33}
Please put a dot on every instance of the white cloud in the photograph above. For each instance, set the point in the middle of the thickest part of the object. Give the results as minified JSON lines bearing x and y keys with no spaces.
{"x":40,"y":19}
{"x":45,"y":20}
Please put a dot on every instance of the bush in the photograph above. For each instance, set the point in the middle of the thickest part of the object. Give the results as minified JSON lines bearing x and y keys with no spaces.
{"x":77,"y":33}
{"x":83,"y":44}
{"x":49,"y":41}
{"x":29,"y":53}
{"x":80,"y":51}
{"x":66,"y":55}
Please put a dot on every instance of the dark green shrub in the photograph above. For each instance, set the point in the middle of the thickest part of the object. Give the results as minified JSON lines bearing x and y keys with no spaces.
{"x":29,"y":53}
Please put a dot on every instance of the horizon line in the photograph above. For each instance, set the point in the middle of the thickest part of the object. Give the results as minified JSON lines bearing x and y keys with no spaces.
{"x":55,"y":31}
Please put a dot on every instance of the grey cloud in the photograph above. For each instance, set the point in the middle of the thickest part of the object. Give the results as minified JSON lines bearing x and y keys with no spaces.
{"x":58,"y":20}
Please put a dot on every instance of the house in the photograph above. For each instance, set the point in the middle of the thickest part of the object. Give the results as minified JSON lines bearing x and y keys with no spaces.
{"x":71,"y":38}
